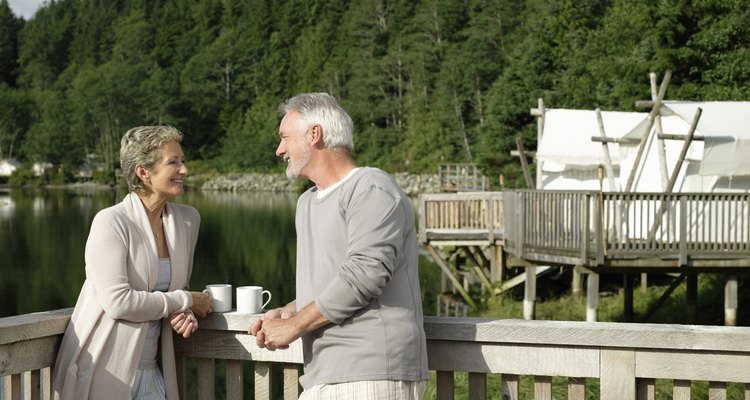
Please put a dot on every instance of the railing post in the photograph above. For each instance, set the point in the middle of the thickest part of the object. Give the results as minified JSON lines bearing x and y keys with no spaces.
{"x":520,"y":224}
{"x":683,"y":231}
{"x":444,"y":383}
{"x":206,"y":379}
{"x":585,"y":231}
{"x":600,"y":245}
{"x":477,"y":386}
{"x":291,"y":381}
{"x":262,"y":380}
{"x":234,"y":380}
{"x":617,"y":380}
{"x":490,"y":219}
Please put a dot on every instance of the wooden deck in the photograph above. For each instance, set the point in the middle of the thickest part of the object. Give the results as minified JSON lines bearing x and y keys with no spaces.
{"x":619,"y":361}
{"x":621,"y":230}
{"x":596,"y":230}
{"x":630,"y":233}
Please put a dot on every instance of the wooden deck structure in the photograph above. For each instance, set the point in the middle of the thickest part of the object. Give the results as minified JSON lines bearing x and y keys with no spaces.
{"x":594,"y":232}
{"x":620,"y":361}
{"x":462,"y":177}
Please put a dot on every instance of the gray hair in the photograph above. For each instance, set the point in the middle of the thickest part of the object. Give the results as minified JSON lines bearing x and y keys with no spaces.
{"x":324,"y":110}
{"x":142,"y":146}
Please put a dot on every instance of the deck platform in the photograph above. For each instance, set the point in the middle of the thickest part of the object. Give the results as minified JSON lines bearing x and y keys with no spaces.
{"x":593,"y":232}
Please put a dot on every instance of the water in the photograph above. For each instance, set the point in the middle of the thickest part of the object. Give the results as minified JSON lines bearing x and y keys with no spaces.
{"x":245,"y":239}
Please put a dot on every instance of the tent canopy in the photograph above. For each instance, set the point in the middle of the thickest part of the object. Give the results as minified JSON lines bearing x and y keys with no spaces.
{"x":726,"y":128}
{"x":569,"y":157}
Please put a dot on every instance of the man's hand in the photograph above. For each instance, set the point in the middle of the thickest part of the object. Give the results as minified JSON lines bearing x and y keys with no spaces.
{"x":280,"y":327}
{"x":256,"y":328}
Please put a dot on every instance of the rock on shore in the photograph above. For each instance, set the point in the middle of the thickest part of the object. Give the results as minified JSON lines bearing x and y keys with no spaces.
{"x":412,"y":184}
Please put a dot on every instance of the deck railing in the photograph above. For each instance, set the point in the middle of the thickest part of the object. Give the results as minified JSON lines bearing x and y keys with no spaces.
{"x":582,"y":228}
{"x":622,"y":361}
{"x":468,"y":216}
{"x":461,"y":177}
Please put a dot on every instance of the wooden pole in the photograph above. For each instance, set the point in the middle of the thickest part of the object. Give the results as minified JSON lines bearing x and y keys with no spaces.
{"x":605,"y":150}
{"x":524,"y":164}
{"x":592,"y":296}
{"x":651,"y":118}
{"x":449,"y":274}
{"x":691,"y":293}
{"x":675,"y":172}
{"x":539,"y":134}
{"x":529,"y":295}
{"x":730,"y":301}
{"x":577,"y":283}
{"x":660,"y":142}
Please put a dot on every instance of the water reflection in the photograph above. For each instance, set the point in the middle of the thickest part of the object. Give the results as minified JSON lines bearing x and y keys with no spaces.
{"x":7,"y":206}
{"x":245,"y":239}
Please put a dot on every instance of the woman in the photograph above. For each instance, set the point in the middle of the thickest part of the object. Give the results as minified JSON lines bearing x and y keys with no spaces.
{"x":139,"y":256}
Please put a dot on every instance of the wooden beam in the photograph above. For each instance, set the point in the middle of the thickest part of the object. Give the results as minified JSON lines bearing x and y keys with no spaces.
{"x":449,"y":274}
{"x":519,"y":279}
{"x":651,"y":118}
{"x":605,"y":150}
{"x":672,"y":136}
{"x":613,"y":140}
{"x":675,"y":172}
{"x":654,"y":307}
{"x":478,"y":270}
{"x":524,"y":165}
{"x":660,"y":148}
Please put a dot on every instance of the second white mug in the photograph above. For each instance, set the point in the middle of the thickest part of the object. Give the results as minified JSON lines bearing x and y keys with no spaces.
{"x":250,"y":299}
{"x":221,"y":295}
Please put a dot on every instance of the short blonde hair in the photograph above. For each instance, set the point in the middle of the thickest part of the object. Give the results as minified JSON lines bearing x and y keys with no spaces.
{"x":142,"y":146}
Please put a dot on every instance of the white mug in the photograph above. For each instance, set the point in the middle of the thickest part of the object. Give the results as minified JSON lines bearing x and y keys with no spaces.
{"x":250,"y":299}
{"x":221,"y":295}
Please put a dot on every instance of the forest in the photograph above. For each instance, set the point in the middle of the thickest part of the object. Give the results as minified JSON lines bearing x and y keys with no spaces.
{"x":425,"y":81}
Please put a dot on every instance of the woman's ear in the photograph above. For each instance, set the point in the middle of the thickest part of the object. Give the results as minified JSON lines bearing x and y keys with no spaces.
{"x":142,"y":173}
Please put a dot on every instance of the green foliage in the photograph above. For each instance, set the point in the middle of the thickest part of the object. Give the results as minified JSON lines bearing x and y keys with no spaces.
{"x":10,"y":27}
{"x":425,"y":81}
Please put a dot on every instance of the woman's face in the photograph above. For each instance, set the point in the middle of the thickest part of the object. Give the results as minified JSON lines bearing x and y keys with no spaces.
{"x":168,"y":174}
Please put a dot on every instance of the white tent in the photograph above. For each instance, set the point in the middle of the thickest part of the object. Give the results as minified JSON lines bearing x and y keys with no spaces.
{"x":569,"y":158}
{"x":7,"y":167}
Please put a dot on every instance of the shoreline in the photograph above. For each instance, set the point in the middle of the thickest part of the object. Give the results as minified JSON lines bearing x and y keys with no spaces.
{"x":411,"y":184}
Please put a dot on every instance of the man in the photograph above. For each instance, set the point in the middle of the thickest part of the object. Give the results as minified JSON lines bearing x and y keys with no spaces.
{"x":358,"y":308}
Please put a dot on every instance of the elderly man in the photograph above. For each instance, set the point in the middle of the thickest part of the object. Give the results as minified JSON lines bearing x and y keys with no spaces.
{"x":358,"y":304}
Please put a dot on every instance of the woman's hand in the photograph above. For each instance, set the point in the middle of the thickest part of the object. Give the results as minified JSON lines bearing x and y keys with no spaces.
{"x":202,"y":304}
{"x":184,"y":323}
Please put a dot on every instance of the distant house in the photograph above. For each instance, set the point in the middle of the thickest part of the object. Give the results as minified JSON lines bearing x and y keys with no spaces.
{"x":8,"y":166}
{"x":39,"y":168}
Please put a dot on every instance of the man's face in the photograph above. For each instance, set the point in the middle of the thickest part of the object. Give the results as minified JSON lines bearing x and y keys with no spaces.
{"x":294,"y":147}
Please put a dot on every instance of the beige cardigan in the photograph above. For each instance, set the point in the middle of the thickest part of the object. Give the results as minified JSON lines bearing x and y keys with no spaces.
{"x":101,"y":348}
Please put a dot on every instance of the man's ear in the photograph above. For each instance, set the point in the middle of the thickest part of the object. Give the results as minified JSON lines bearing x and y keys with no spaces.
{"x":316,"y":135}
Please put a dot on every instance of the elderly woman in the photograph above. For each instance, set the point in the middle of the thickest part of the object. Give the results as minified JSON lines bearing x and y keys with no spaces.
{"x":139,"y":256}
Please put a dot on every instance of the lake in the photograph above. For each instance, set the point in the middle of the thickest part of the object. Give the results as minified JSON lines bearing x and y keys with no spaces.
{"x":245,"y":239}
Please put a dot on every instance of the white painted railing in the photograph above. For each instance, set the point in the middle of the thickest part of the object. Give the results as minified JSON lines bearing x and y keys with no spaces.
{"x":623,"y":361}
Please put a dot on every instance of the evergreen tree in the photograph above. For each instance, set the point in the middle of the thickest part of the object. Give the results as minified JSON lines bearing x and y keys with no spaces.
{"x":10,"y":26}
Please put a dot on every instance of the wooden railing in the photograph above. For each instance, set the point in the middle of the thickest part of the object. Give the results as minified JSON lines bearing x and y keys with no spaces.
{"x":461,"y":216}
{"x":462,"y":177}
{"x":584,"y":228}
{"x":621,"y":361}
